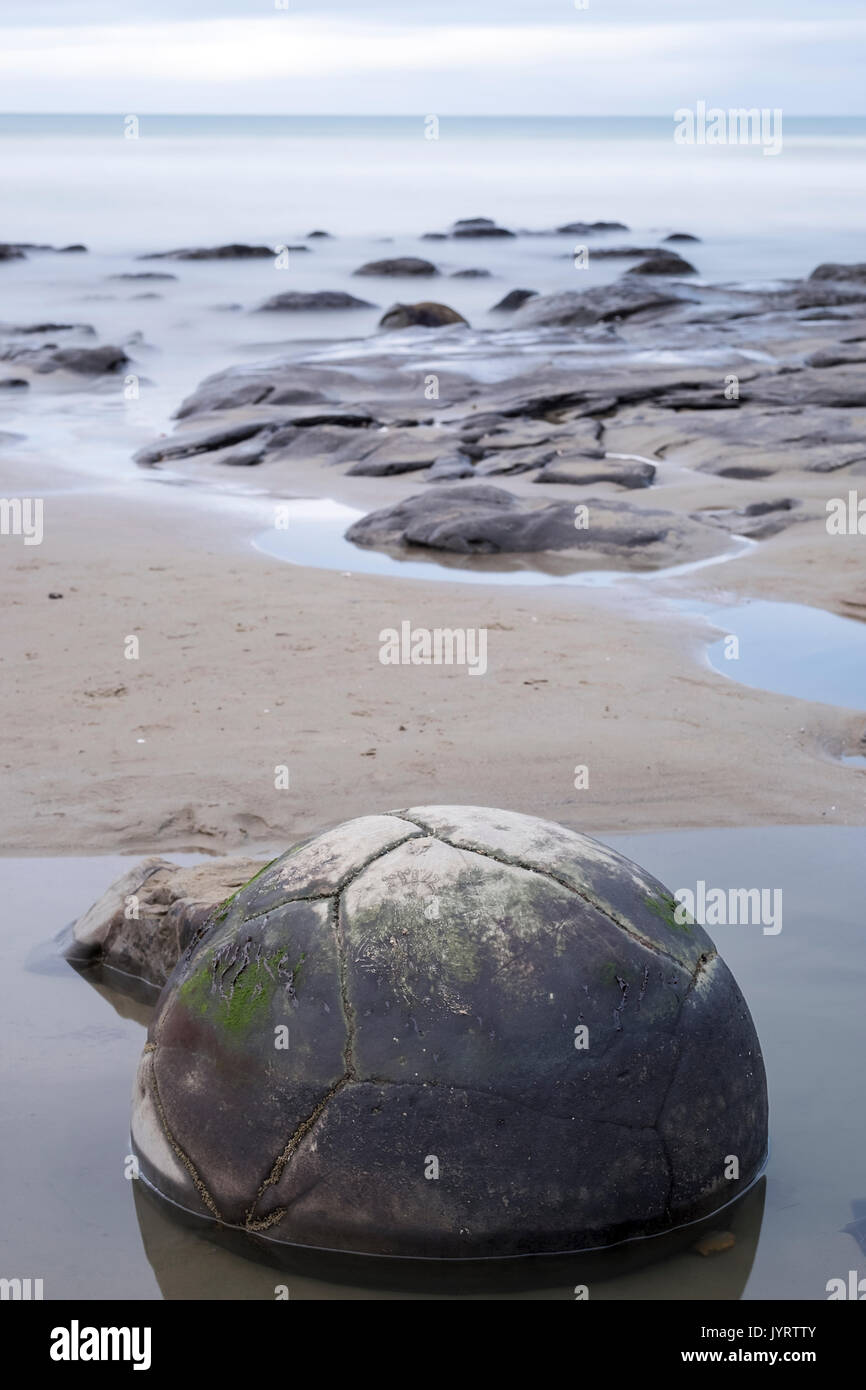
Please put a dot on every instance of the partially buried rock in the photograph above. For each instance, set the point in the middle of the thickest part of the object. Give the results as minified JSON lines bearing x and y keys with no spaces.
{"x":399,"y":265}
{"x":581,"y":228}
{"x":144,"y":921}
{"x":580,"y":470}
{"x":479,"y":519}
{"x":424,"y":315}
{"x":299,"y":301}
{"x":605,"y":303}
{"x":234,"y":252}
{"x":513,"y":300}
{"x":469,"y":227}
{"x":11,"y":253}
{"x":663,"y":263}
{"x":681,"y":236}
{"x":84,"y":361}
{"x":833,"y":271}
{"x":470,"y":275}
{"x":565,"y":1053}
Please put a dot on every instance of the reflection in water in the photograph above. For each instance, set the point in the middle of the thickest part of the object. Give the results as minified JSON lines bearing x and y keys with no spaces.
{"x":195,"y":1259}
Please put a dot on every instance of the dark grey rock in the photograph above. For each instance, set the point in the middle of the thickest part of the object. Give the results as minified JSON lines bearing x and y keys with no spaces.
{"x":399,"y":266}
{"x":424,"y":315}
{"x":144,"y":275}
{"x":318,"y":235}
{"x":580,"y":470}
{"x":482,"y":520}
{"x":515,"y":299}
{"x":681,"y":236}
{"x":11,"y":253}
{"x":470,"y":275}
{"x":542,"y":1147}
{"x":833,"y":271}
{"x":402,"y":451}
{"x":234,"y":252}
{"x":663,"y":263}
{"x":300,"y":301}
{"x":186,"y":444}
{"x":99,"y":361}
{"x":605,"y":303}
{"x":582,"y":228}
{"x":449,"y":467}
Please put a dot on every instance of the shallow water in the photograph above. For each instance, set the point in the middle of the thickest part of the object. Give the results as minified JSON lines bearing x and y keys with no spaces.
{"x":791,"y":649}
{"x":69,"y":1053}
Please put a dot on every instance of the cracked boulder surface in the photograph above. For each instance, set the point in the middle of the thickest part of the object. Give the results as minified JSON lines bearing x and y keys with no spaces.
{"x":413,"y":987}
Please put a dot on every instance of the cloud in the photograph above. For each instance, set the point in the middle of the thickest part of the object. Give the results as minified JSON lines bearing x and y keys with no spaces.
{"x":237,"y":63}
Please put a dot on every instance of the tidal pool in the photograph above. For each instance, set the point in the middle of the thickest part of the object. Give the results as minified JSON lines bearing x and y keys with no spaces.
{"x":791,"y":649}
{"x":69,"y":1051}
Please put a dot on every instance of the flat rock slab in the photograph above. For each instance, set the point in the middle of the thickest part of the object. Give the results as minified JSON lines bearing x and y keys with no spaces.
{"x":479,"y":519}
{"x":580,"y":471}
{"x":148,"y":916}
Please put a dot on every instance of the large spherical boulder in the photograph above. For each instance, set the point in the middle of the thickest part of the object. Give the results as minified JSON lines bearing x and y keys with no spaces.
{"x":451,"y":1032}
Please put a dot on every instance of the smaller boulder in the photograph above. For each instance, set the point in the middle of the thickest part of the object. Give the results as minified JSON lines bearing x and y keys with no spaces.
{"x":663,"y":263}
{"x":399,"y":265}
{"x":297,"y":301}
{"x":513,"y":300}
{"x":424,"y":315}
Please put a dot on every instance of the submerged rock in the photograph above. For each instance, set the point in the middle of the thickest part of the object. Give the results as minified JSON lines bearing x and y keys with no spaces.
{"x":424,"y":315}
{"x":300,"y":301}
{"x":478,"y":227}
{"x":681,"y":236}
{"x":515,"y":299}
{"x":234,"y":252}
{"x":456,"y":993}
{"x":663,"y":263}
{"x":99,"y":361}
{"x":581,"y":228}
{"x":398,"y":265}
{"x":833,"y":271}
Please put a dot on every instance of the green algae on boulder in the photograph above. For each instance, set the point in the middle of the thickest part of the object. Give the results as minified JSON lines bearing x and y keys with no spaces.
{"x":450,"y":1032}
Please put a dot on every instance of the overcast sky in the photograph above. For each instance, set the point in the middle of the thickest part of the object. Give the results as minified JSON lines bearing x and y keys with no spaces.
{"x":434,"y":56}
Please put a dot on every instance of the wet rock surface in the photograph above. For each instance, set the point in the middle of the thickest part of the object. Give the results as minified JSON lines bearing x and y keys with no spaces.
{"x":726,"y":380}
{"x":399,"y":265}
{"x":424,"y":315}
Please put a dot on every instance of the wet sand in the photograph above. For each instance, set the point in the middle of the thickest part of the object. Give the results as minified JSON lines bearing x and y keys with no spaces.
{"x":248,"y":663}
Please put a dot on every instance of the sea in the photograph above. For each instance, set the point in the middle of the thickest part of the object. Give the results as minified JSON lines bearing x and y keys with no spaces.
{"x":130,"y":184}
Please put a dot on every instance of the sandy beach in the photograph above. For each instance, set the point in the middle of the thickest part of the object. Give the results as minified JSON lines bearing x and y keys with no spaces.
{"x":246,"y":664}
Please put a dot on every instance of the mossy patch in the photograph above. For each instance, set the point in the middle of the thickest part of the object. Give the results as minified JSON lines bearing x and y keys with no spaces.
{"x":236,"y":1000}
